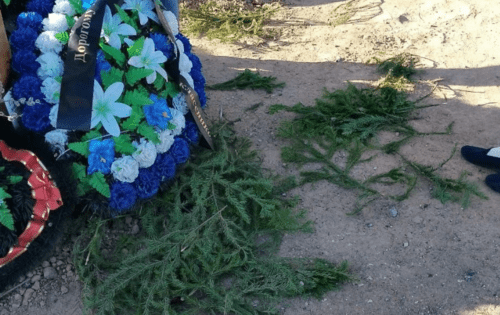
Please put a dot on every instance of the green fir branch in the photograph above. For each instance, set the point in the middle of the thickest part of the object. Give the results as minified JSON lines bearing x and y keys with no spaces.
{"x":248,"y":79}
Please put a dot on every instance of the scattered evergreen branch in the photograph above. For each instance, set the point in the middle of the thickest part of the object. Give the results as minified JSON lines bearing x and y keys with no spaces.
{"x":229,"y":23}
{"x":248,"y":79}
{"x":207,"y":246}
{"x":346,"y":121}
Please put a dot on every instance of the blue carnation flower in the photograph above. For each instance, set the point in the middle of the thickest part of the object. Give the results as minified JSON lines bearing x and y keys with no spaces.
{"x":200,"y":89}
{"x":24,"y":62}
{"x":163,"y":44}
{"x":30,"y":19}
{"x":101,"y":65}
{"x":190,"y":132}
{"x":102,"y":155}
{"x":123,"y":196}
{"x":158,"y":113}
{"x":26,"y":87}
{"x":164,"y":166}
{"x":23,"y":38}
{"x":196,"y":72}
{"x":147,"y":183}
{"x":185,"y":42}
{"x":36,"y":117}
{"x":180,"y":150}
{"x":42,"y":7}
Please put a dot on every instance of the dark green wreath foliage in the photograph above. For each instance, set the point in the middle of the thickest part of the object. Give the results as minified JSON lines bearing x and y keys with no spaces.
{"x":347,"y":121}
{"x":207,"y":246}
{"x":229,"y":22}
{"x":248,"y":79}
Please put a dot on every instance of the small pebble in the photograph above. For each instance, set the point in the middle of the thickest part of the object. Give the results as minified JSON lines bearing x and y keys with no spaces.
{"x":45,"y":264}
{"x":49,"y":273}
{"x":36,"y":286}
{"x":135,"y":229}
{"x":405,"y":244}
{"x":64,"y":290}
{"x":393,"y":212}
{"x":36,"y":278}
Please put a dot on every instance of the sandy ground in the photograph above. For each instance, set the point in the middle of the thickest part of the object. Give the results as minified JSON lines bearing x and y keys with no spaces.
{"x":430,"y":258}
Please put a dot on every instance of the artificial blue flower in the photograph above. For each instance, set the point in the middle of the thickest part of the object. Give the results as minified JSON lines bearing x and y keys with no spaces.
{"x":42,"y":7}
{"x":158,"y":113}
{"x":147,"y":183}
{"x":200,"y":90}
{"x":86,"y":4}
{"x":24,"y":62}
{"x":36,"y":117}
{"x":23,"y":38}
{"x":190,"y":132}
{"x":30,"y":19}
{"x":123,"y":196}
{"x":28,"y":86}
{"x":102,"y":155}
{"x":185,"y":42}
{"x":105,"y":107}
{"x":163,"y":44}
{"x":180,"y":150}
{"x":164,"y":166}
{"x":101,"y":65}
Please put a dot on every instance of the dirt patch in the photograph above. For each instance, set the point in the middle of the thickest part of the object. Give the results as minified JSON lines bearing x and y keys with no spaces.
{"x":413,"y":257}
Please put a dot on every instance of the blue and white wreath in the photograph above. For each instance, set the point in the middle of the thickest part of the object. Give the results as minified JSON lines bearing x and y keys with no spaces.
{"x":141,"y":128}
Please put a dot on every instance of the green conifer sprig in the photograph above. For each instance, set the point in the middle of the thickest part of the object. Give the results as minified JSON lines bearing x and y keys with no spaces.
{"x":207,"y":246}
{"x":248,"y":79}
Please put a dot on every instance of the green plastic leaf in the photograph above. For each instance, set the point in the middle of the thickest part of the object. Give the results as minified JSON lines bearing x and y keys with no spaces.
{"x":169,"y":91}
{"x":80,"y":147}
{"x":98,"y":182}
{"x":133,"y":98}
{"x":4,"y":194}
{"x":15,"y":179}
{"x":7,"y":2}
{"x":82,"y":188}
{"x":58,"y":79}
{"x":171,"y":126}
{"x":114,"y":53}
{"x":77,"y":6}
{"x":63,"y":37}
{"x":126,"y":18}
{"x":79,"y":171}
{"x":70,"y":21}
{"x":135,"y":74}
{"x":148,"y":132}
{"x":136,"y":49}
{"x":92,"y":135}
{"x":132,"y":123}
{"x":111,"y":76}
{"x":123,"y":144}
{"x":159,"y":82}
{"x":6,"y":218}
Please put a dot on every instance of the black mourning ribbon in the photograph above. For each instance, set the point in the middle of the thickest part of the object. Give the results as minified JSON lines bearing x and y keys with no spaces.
{"x":77,"y":86}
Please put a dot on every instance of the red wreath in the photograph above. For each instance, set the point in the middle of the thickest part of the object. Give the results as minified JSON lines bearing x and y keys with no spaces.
{"x":45,"y":192}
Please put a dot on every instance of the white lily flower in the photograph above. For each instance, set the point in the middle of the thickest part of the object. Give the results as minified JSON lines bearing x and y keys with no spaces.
{"x":172,"y":22}
{"x":112,"y":27}
{"x":150,"y":59}
{"x":105,"y":107}
{"x":144,"y":8}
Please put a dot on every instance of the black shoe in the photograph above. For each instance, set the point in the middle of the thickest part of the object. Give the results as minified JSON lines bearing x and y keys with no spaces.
{"x":493,"y":181}
{"x":478,"y":156}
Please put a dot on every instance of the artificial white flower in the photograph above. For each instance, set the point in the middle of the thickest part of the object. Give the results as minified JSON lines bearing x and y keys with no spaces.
{"x":125,"y":169}
{"x":172,"y":21}
{"x":51,"y":89}
{"x":145,"y":154}
{"x":144,"y":8}
{"x":188,"y":78}
{"x":150,"y":59}
{"x":129,"y":42}
{"x":105,"y":107}
{"x":112,"y":26}
{"x":55,"y":22}
{"x":53,"y":115}
{"x":166,"y":141}
{"x":58,"y":139}
{"x":51,"y":66}
{"x":179,"y":103}
{"x":178,"y":120}
{"x":64,"y":7}
{"x":180,"y":45}
{"x":185,"y":63}
{"x":47,"y":42}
